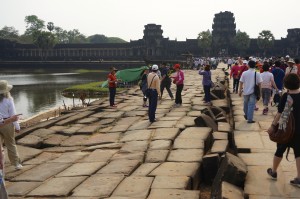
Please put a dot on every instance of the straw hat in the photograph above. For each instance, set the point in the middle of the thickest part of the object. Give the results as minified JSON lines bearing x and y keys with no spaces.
{"x":291,"y":61}
{"x":4,"y":86}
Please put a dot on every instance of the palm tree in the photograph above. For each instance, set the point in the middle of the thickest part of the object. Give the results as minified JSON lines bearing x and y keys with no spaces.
{"x":50,"y":26}
{"x":204,"y":41}
{"x":265,"y":40}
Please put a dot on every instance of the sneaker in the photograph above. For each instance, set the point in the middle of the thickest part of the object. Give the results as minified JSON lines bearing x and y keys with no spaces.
{"x":272,"y":174}
{"x":295,"y":182}
{"x":249,"y":122}
{"x":18,"y":166}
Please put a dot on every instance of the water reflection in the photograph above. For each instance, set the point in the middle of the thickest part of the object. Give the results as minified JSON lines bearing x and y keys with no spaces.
{"x":34,"y":93}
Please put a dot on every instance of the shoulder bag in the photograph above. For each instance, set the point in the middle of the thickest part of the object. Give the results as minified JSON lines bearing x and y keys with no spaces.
{"x":256,"y":88}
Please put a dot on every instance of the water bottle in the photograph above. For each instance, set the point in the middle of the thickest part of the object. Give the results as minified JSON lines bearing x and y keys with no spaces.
{"x":1,"y":177}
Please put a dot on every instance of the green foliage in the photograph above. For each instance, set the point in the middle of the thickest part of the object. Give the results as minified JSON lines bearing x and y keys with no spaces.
{"x":9,"y":33}
{"x":61,"y":36}
{"x":265,"y":39}
{"x":97,"y":38}
{"x":205,"y":40}
{"x":50,"y":26}
{"x":74,"y":36}
{"x":242,"y":40}
{"x":33,"y":24}
{"x":44,"y":40}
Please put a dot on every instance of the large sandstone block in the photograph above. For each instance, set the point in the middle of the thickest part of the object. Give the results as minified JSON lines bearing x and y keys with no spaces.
{"x":182,"y":143}
{"x":99,"y":155}
{"x":99,"y":185}
{"x":232,"y":170}
{"x":57,"y":186}
{"x":101,"y":138}
{"x":21,"y":188}
{"x":136,"y":135}
{"x":134,"y":186}
{"x":171,"y":182}
{"x":186,"y":155}
{"x":210,"y":166}
{"x":165,"y":133}
{"x":231,"y":191}
{"x":82,"y":169}
{"x":173,"y":194}
{"x":145,"y":169}
{"x":31,"y":141}
{"x":160,"y":145}
{"x":157,"y":155}
{"x":219,"y":146}
{"x":121,"y":166}
{"x":134,"y":146}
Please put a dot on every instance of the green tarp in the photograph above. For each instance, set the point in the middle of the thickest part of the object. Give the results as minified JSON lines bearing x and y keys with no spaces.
{"x":128,"y":75}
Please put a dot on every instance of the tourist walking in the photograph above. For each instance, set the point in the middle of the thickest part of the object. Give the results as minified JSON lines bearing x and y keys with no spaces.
{"x":179,"y":81}
{"x":292,"y":68}
{"x":267,"y":85}
{"x":291,"y":82}
{"x":144,"y":85}
{"x":206,"y":82}
{"x":165,"y":80}
{"x":247,"y":83}
{"x":3,"y":192}
{"x":112,"y":86}
{"x":229,"y":63}
{"x":235,"y":73}
{"x":7,"y":132}
{"x":154,"y":92}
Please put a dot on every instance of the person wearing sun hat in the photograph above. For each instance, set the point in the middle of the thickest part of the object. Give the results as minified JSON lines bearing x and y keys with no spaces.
{"x":7,"y":132}
{"x":292,"y":68}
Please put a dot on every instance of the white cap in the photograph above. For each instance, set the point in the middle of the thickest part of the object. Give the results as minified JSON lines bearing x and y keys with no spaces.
{"x":245,"y":62}
{"x":287,"y":56}
{"x":154,"y":67}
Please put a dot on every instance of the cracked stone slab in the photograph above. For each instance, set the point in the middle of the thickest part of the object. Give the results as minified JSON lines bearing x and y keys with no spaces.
{"x":145,"y":169}
{"x":187,"y":121}
{"x":157,"y":155}
{"x":119,"y":128}
{"x":43,"y":133}
{"x":121,"y":166}
{"x":134,"y":186}
{"x":31,"y":141}
{"x":21,"y":188}
{"x":25,"y":153}
{"x":104,"y":146}
{"x":63,"y":149}
{"x":134,"y":146}
{"x":171,"y":182}
{"x":42,"y":172}
{"x":70,"y":131}
{"x":195,"y":133}
{"x":58,"y":129}
{"x":245,"y":140}
{"x":183,"y":143}
{"x":43,"y":157}
{"x":55,"y":140}
{"x":140,"y":125}
{"x":165,"y":134}
{"x":173,"y":194}
{"x":101,"y":138}
{"x":186,"y":155}
{"x":176,"y":114}
{"x":219,"y":146}
{"x":88,"y":130}
{"x":82,"y":169}
{"x":163,"y":124}
{"x":244,"y":126}
{"x":128,"y":120}
{"x":11,"y":172}
{"x":129,"y":156}
{"x":70,"y":157}
{"x":75,"y":118}
{"x":224,"y":127}
{"x":136,"y":135}
{"x":117,"y":114}
{"x":190,"y":169}
{"x":57,"y":186}
{"x":76,"y":140}
{"x":88,"y":120}
{"x":160,"y":145}
{"x":99,"y":155}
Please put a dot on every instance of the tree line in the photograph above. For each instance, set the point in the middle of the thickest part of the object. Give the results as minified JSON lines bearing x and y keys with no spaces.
{"x":42,"y":34}
{"x":265,"y":40}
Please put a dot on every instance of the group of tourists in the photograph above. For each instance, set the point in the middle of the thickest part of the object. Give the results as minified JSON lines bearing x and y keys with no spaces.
{"x":273,"y":77}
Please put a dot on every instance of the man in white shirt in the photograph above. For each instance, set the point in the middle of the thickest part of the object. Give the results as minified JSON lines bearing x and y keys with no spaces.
{"x":247,"y":83}
{"x":292,"y":68}
{"x":229,"y":63}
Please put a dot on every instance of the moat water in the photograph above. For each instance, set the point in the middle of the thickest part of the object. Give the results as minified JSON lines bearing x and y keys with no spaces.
{"x":40,"y":90}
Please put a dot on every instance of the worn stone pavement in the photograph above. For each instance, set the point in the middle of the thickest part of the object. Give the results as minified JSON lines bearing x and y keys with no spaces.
{"x":99,"y":152}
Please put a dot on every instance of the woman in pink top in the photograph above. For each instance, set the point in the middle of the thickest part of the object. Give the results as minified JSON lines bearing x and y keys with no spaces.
{"x":235,"y":73}
{"x":178,"y":80}
{"x":267,"y":85}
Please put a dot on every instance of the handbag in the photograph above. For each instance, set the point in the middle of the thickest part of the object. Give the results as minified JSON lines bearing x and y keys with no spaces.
{"x":148,"y":90}
{"x":283,"y":135}
{"x":256,"y":88}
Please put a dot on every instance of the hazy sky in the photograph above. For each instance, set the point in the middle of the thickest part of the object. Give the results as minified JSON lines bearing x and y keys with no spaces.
{"x":180,"y":19}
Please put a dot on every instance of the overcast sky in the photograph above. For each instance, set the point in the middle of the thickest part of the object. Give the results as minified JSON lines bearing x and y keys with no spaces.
{"x":180,"y":19}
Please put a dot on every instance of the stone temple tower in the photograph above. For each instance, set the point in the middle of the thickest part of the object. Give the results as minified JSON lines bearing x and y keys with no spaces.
{"x":224,"y":32}
{"x":153,"y":40}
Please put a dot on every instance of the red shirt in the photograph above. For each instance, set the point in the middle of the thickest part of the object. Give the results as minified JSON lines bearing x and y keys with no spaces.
{"x":112,"y":77}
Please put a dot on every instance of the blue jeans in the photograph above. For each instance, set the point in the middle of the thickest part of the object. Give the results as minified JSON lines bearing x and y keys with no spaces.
{"x":112,"y":94}
{"x":249,"y":105}
{"x":152,"y":105}
{"x":207,"y":93}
